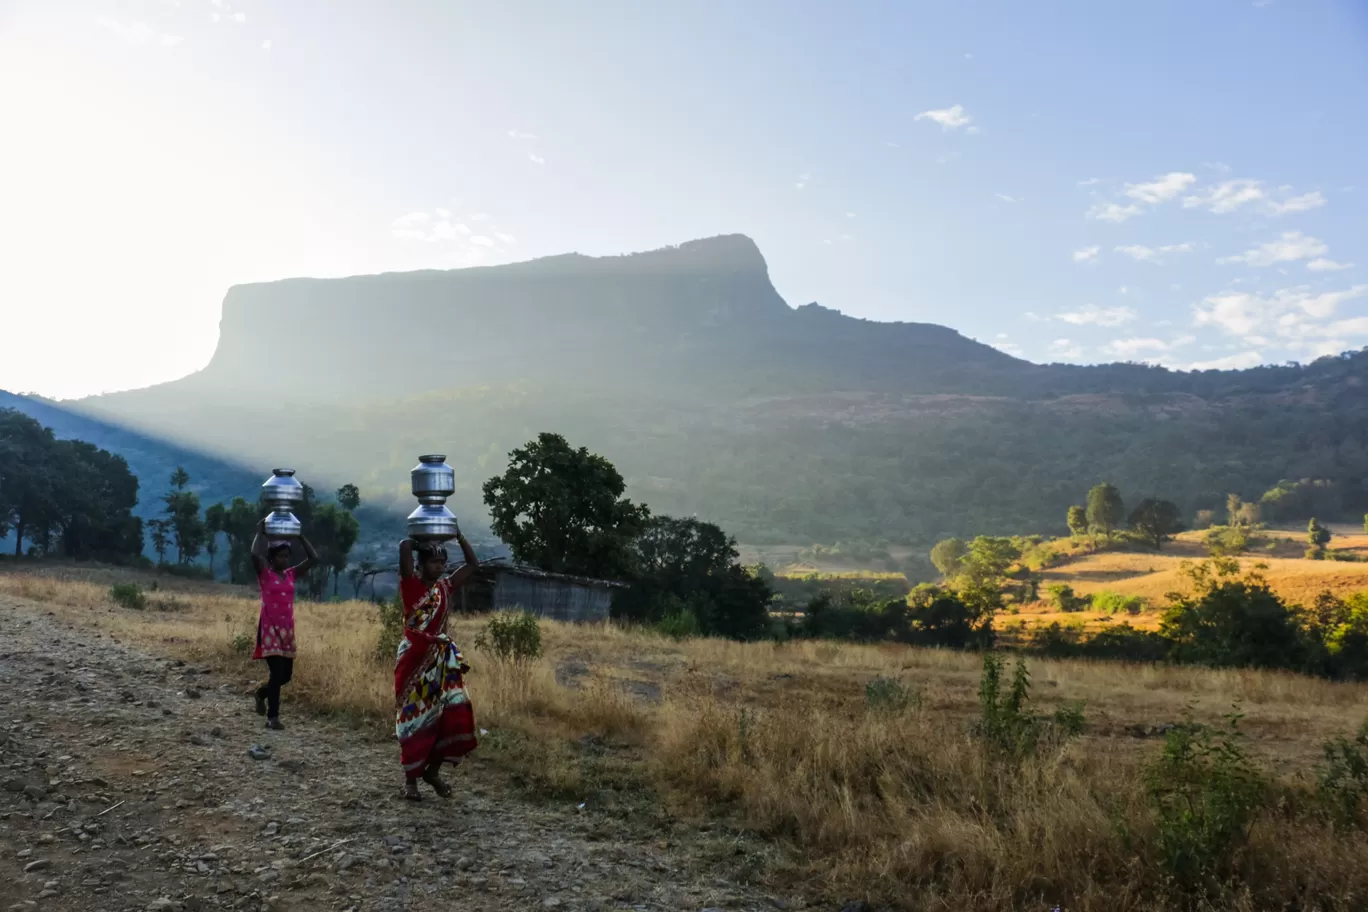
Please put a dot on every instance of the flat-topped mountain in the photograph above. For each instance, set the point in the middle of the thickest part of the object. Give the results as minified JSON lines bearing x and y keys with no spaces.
{"x":687,"y":369}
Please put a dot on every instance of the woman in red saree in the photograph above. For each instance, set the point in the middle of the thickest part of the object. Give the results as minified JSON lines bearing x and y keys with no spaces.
{"x":433,"y":719}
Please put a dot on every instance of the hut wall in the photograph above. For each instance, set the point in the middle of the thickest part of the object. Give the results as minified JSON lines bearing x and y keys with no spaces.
{"x":549,"y":598}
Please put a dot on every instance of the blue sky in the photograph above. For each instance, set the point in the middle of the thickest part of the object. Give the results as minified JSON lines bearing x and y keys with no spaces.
{"x":1179,"y":182}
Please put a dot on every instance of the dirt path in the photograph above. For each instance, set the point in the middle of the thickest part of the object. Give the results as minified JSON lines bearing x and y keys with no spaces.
{"x":126,"y":784}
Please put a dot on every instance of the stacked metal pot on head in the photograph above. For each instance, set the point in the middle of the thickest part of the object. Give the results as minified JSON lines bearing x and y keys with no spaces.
{"x":281,"y":493}
{"x":433,"y":482}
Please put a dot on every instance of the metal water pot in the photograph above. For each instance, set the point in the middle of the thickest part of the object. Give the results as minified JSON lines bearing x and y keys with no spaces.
{"x":281,"y":492}
{"x":433,"y":481}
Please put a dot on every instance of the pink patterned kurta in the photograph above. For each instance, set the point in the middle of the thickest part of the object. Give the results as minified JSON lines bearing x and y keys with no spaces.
{"x":275,"y":630}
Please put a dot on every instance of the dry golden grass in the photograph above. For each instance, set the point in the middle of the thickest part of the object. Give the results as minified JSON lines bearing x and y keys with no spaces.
{"x":903,"y":808}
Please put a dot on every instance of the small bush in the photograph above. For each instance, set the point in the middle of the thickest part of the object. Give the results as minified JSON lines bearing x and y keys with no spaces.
{"x":1008,"y":728}
{"x":391,"y":628}
{"x":1342,"y":777}
{"x":1205,"y":793}
{"x":1226,"y":541}
{"x":128,"y":595}
{"x":187,"y":571}
{"x":512,"y":639}
{"x":1314,"y":554}
{"x":242,"y":643}
{"x":1116,"y":603}
{"x":890,"y":696}
{"x":1063,"y":598}
{"x":679,"y":625}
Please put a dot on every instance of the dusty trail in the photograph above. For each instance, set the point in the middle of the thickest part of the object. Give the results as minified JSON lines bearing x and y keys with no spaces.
{"x":126,"y":784}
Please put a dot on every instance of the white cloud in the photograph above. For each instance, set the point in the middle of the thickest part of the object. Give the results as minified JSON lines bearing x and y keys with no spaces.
{"x":505,"y":238}
{"x":1321,"y":264}
{"x":1095,"y":316}
{"x":479,"y":216}
{"x":1289,"y":247}
{"x":1086,"y":254}
{"x":266,"y":45}
{"x":1113,"y":212}
{"x":951,"y":118}
{"x":1129,"y":348}
{"x":481,"y":241}
{"x":1306,"y":201}
{"x":1162,"y":188}
{"x":139,"y":33}
{"x":1066,"y":348}
{"x":239,"y":18}
{"x":1090,"y":181}
{"x":517,"y":134}
{"x":1245,"y":359}
{"x":1152,"y":254}
{"x":1226,"y":196}
{"x":803,"y":181}
{"x":1007,"y":199}
{"x":1290,"y":314}
{"x":850,"y":215}
{"x":535,"y":159}
{"x":413,"y":226}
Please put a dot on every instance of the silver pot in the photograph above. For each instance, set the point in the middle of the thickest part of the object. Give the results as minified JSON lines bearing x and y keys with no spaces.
{"x":280,"y":492}
{"x":433,"y":480}
{"x":432,"y":522}
{"x":282,"y":489}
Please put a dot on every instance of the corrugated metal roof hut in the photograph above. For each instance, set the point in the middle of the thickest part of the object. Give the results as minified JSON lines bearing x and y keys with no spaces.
{"x":501,"y":586}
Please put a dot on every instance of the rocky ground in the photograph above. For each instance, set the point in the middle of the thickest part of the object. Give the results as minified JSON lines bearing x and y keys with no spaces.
{"x":133,"y":782}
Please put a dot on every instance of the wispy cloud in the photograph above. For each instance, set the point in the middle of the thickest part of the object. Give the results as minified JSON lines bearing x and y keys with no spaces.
{"x":139,"y":33}
{"x":802,"y":182}
{"x":1152,"y":254}
{"x":1090,"y":182}
{"x":1294,"y":315}
{"x":1241,"y":361}
{"x":505,"y":238}
{"x":1136,"y":346}
{"x":481,"y":241}
{"x":1162,"y":188}
{"x":1234,"y":195}
{"x":1303,"y":203}
{"x":266,"y":45}
{"x":1289,"y":247}
{"x":951,"y":118}
{"x":1086,"y":254}
{"x":1321,"y":264}
{"x":536,"y":159}
{"x":1007,"y":199}
{"x":1066,"y":348}
{"x":1098,"y":316}
{"x":518,"y":134}
{"x":1113,"y":212}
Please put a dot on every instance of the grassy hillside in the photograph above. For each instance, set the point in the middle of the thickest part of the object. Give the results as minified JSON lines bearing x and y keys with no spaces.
{"x":895,"y":801}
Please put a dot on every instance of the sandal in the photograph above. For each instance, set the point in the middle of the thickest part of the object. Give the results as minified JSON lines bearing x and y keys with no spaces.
{"x":408,"y":795}
{"x":438,"y":786}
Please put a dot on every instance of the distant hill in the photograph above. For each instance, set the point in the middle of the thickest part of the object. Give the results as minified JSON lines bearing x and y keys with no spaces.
{"x":687,"y":369}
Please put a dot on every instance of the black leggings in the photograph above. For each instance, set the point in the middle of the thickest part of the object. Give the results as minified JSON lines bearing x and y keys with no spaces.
{"x":281,"y":671}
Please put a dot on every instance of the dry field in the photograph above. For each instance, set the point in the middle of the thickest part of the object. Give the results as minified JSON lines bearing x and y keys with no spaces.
{"x":904,"y":808}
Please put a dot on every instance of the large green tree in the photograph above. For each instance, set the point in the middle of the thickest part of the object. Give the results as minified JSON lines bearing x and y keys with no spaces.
{"x":1078,"y":520}
{"x":1156,"y":521}
{"x":948,"y":556}
{"x":694,"y":565}
{"x":183,"y":515}
{"x":1105,"y":508}
{"x":562,"y":509}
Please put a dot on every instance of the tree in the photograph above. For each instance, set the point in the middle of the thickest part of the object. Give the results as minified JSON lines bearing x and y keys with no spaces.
{"x":161,"y":539}
{"x":28,"y":482}
{"x":349,"y":497}
{"x":1156,"y":520}
{"x":239,"y":526}
{"x":333,"y":532}
{"x":1317,"y":535}
{"x":1365,"y":523}
{"x":562,"y":509}
{"x":215,"y":522}
{"x":1105,"y":509}
{"x":984,"y":572}
{"x":1078,"y":520}
{"x":948,"y":556}
{"x":694,"y":565}
{"x":1234,"y":503}
{"x":94,"y":494}
{"x":183,"y":514}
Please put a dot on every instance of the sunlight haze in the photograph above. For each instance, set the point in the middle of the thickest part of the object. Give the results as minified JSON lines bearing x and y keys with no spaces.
{"x":1168,"y":182}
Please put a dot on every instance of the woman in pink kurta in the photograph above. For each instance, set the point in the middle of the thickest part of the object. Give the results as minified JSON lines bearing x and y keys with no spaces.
{"x":275,"y":639}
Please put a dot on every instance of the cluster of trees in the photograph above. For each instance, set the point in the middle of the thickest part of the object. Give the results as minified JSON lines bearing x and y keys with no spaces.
{"x":562,"y":509}
{"x":1233,"y":619}
{"x":65,"y":497}
{"x":1153,"y":520}
{"x":928,"y":616}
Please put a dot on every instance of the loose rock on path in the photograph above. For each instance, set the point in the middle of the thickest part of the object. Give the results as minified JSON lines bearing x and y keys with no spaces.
{"x":129,"y":782}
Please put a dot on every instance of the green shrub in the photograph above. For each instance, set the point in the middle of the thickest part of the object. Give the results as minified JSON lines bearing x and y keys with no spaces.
{"x":391,"y":628}
{"x":128,"y":595}
{"x":1226,"y":541}
{"x":513,"y":639}
{"x":1009,"y":729}
{"x":187,"y":571}
{"x":1063,"y":598}
{"x":1204,"y":792}
{"x":242,"y":643}
{"x":1342,"y":777}
{"x":679,"y":625}
{"x":1314,"y":554}
{"x":890,"y":696}
{"x":1116,"y":603}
